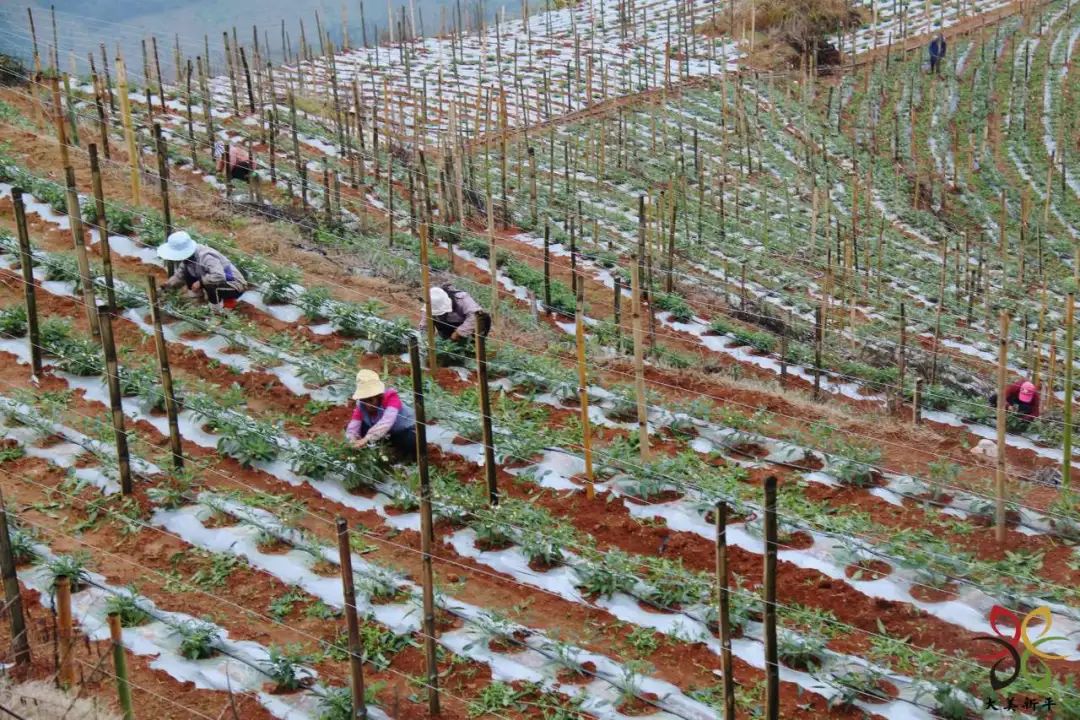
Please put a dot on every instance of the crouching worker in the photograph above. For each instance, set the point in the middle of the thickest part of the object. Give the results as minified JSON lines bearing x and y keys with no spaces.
{"x":380,"y":414}
{"x":234,"y":160}
{"x":455,"y":314}
{"x":1022,"y":399}
{"x":202,"y":270}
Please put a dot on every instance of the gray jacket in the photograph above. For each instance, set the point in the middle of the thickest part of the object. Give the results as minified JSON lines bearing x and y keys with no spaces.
{"x":208,"y":267}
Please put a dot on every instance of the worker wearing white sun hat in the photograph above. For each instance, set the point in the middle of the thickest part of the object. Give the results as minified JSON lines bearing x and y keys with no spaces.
{"x":380,"y":413}
{"x":455,"y":313}
{"x":202,"y":269}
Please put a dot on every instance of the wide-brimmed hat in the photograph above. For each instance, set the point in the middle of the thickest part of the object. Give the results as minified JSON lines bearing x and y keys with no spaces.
{"x":368,"y":385}
{"x":1027,"y":391}
{"x":440,"y":302}
{"x":179,"y":246}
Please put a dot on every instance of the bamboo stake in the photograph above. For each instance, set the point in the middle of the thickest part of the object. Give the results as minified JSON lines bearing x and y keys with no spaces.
{"x":356,"y":649}
{"x":1066,"y":409}
{"x":916,"y":402}
{"x":583,"y":392}
{"x":175,"y":441}
{"x":727,"y":663}
{"x":427,"y":531}
{"x":999,"y":478}
{"x":547,"y":266}
{"x":123,"y":688}
{"x":425,"y":280}
{"x":482,"y":324}
{"x":819,"y":337}
{"x":115,"y":399}
{"x":772,"y":659}
{"x":66,"y":670}
{"x":129,"y":129}
{"x":639,"y":361}
{"x":75,"y":220}
{"x":102,"y":227}
{"x":27,"y":262}
{"x":20,"y":644}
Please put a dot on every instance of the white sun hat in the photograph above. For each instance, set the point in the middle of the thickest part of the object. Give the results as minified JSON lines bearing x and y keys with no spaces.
{"x":440,"y":302}
{"x":179,"y":246}
{"x":368,"y":385}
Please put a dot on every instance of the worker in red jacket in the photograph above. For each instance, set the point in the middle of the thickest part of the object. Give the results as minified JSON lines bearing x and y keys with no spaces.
{"x":1021,"y":398}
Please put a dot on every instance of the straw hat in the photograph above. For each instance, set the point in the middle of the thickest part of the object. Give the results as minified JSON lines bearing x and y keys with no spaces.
{"x":368,"y":385}
{"x":179,"y":246}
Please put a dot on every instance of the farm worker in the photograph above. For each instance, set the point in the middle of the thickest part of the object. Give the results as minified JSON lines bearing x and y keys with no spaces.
{"x":379,"y":413}
{"x":455,"y":312}
{"x":1021,"y":398}
{"x":202,"y":269}
{"x":937,"y":53}
{"x":235,"y":158}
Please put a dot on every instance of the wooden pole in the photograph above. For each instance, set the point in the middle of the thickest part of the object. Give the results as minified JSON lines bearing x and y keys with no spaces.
{"x":916,"y":402}
{"x":819,"y":337}
{"x":482,"y":324}
{"x":427,"y":531}
{"x":175,"y":440}
{"x":58,"y":119}
{"x":425,"y":280}
{"x":123,"y":688}
{"x":999,"y":478}
{"x":163,"y":177}
{"x":66,"y":670}
{"x":129,"y":128}
{"x":1066,"y":409}
{"x":27,"y":261}
{"x":493,"y":261}
{"x":102,"y":226}
{"x":547,"y":266}
{"x":772,"y":658}
{"x":639,"y":360}
{"x":727,"y":663}
{"x":20,"y":644}
{"x":87,"y":280}
{"x":583,"y":391}
{"x":356,"y":650}
{"x":115,"y":400}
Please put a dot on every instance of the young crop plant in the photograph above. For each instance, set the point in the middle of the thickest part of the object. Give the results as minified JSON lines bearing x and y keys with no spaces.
{"x":607,"y":574}
{"x":801,"y":652}
{"x":128,"y":608}
{"x":72,"y":567}
{"x":285,"y":666}
{"x":198,"y":639}
{"x":13,"y":321}
{"x":673,"y":586}
{"x":246,"y":440}
{"x":314,"y":303}
{"x":497,"y":698}
{"x":335,"y":703}
{"x":282,"y":606}
{"x":279,"y":287}
{"x":23,"y":546}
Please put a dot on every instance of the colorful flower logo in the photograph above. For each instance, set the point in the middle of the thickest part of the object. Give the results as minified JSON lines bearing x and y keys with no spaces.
{"x":1018,"y":647}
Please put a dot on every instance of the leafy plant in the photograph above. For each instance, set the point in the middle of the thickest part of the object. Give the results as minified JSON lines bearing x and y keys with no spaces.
{"x":278,"y":287}
{"x":199,"y":639}
{"x":72,"y":567}
{"x":313,"y":302}
{"x":495,"y":698}
{"x":335,"y":703}
{"x":282,"y":606}
{"x":13,"y":321}
{"x":802,"y":652}
{"x":246,"y":441}
{"x":22,"y":546}
{"x":128,"y":608}
{"x":285,"y":667}
{"x":607,"y":574}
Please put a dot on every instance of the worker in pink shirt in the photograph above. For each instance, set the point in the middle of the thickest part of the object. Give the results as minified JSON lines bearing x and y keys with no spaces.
{"x":1021,"y":398}
{"x":380,"y":414}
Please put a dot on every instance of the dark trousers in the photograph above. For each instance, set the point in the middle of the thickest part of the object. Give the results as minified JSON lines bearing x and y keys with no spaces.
{"x":216,"y":293}
{"x":404,"y":444}
{"x":240,"y":171}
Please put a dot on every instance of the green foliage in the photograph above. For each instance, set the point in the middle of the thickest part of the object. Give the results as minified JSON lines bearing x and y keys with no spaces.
{"x":676,"y":305}
{"x":13,"y":321}
{"x":282,"y":606}
{"x":313,"y":302}
{"x":198,"y":639}
{"x":607,"y":574}
{"x":128,"y":608}
{"x":72,"y":567}
{"x":278,"y":287}
{"x":496,"y":698}
{"x":119,"y":220}
{"x":285,"y":667}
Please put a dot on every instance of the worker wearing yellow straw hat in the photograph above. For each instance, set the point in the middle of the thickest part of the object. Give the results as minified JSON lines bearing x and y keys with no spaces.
{"x":380,"y":414}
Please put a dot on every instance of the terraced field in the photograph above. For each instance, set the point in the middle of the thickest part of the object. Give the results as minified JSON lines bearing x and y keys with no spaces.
{"x":812,"y":255}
